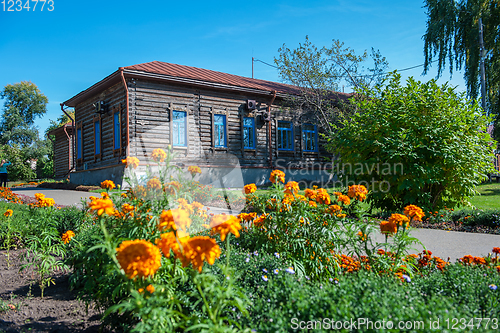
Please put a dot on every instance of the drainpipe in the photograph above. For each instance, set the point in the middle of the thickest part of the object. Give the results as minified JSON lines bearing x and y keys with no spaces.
{"x":269,"y":129}
{"x":73,"y":143}
{"x":126,"y":112}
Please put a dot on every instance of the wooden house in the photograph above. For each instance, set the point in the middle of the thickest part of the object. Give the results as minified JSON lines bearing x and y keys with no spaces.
{"x":235,"y":128}
{"x":63,"y":150}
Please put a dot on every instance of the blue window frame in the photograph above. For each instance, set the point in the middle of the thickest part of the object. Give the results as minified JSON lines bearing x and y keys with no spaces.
{"x":309,"y":137}
{"x":249,"y":133}
{"x":220,"y":131}
{"x":97,"y":137}
{"x":79,"y":143}
{"x":117,"y":131}
{"x":179,"y":126}
{"x":285,"y":135}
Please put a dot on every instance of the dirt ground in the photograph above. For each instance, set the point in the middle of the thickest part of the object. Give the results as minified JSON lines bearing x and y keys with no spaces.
{"x":23,"y":310}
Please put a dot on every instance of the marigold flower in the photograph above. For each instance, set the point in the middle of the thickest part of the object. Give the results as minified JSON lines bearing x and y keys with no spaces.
{"x":8,"y":213}
{"x":174,"y":219}
{"x":149,"y":289}
{"x":194,"y":170}
{"x":249,"y":189}
{"x":108,"y":184}
{"x":496,"y":250}
{"x":102,"y":206}
{"x":223,"y":224}
{"x":357,"y":191}
{"x":154,"y":184}
{"x":277,"y":175}
{"x":159,"y":155}
{"x":39,"y":196}
{"x":247,"y":216}
{"x":172,"y":187}
{"x":199,"y":249}
{"x":126,"y":208}
{"x":66,"y":237}
{"x":414,"y":212}
{"x":388,"y":228}
{"x":131,"y":161}
{"x":344,"y":199}
{"x":332,"y":209}
{"x":140,"y":191}
{"x":138,"y":258}
{"x":46,"y":202}
{"x":362,"y":236}
{"x":398,"y":219}
{"x":311,"y":194}
{"x":168,"y":242}
{"x":498,"y":269}
{"x":323,"y":197}
{"x":313,"y":204}
{"x":292,"y":188}
{"x":259,"y":221}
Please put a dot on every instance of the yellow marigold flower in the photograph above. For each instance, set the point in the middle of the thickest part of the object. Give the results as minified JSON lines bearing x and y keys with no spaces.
{"x":174,"y":219}
{"x":131,"y":161}
{"x":277,"y":175}
{"x":357,"y":191}
{"x":138,"y":258}
{"x":414,"y":212}
{"x":47,"y":202}
{"x":322,"y":196}
{"x":301,"y":198}
{"x":159,"y":155}
{"x":223,"y":224}
{"x":194,"y":170}
{"x":344,"y":199}
{"x":292,"y":188}
{"x":102,"y":206}
{"x":341,"y":215}
{"x":39,"y":196}
{"x":66,"y":237}
{"x":154,"y":184}
{"x":8,"y":212}
{"x":199,"y":249}
{"x":398,"y":219}
{"x":311,"y":194}
{"x":105,"y":195}
{"x":387,"y":227}
{"x":249,"y":188}
{"x":108,"y":184}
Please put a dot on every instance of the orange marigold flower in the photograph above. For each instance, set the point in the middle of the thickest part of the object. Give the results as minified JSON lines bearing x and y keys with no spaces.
{"x":292,"y":188}
{"x":498,"y":269}
{"x":334,"y":209}
{"x":46,"y":202}
{"x":414,"y":212}
{"x":168,"y":242}
{"x":323,"y":197}
{"x":174,"y":219}
{"x":131,"y":161}
{"x":104,"y":195}
{"x":398,"y":219}
{"x":223,"y":224}
{"x":138,"y":258}
{"x":197,"y":205}
{"x":66,"y":237}
{"x":102,"y":206}
{"x":108,"y":184}
{"x":39,"y":196}
{"x":311,"y":194}
{"x":344,"y":199}
{"x":388,"y":228}
{"x":247,"y":216}
{"x":149,"y":289}
{"x":126,"y":208}
{"x":249,"y":188}
{"x":341,"y":215}
{"x":8,"y":213}
{"x":154,"y":184}
{"x":158,"y":155}
{"x":194,"y":170}
{"x":199,"y":249}
{"x":357,"y":191}
{"x":259,"y":221}
{"x":277,"y":175}
{"x":496,"y":250}
{"x":313,"y":204}
{"x":362,"y":236}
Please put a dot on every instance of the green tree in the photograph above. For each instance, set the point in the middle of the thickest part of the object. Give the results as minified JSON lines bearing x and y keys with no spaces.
{"x":318,"y":72}
{"x":420,"y":144}
{"x":453,"y":37}
{"x":23,"y":104}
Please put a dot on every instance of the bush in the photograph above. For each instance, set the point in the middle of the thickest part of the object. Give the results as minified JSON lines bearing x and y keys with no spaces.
{"x":419,"y":144}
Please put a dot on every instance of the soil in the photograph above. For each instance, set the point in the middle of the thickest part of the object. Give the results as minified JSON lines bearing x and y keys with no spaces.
{"x":23,"y":310}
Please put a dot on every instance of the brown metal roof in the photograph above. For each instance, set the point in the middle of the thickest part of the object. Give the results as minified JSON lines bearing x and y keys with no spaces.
{"x":190,"y":75}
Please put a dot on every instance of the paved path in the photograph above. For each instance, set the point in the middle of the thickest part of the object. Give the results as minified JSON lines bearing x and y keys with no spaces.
{"x":441,"y":243}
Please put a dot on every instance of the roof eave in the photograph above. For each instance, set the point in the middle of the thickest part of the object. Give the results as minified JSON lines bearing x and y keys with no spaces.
{"x":105,"y":83}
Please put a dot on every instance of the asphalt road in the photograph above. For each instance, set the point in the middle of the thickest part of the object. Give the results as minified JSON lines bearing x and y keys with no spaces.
{"x":441,"y":243}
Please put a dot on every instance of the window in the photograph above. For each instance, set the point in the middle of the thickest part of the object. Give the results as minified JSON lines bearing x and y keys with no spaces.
{"x":179,"y":124}
{"x":220,"y":131}
{"x":309,"y":137}
{"x":285,"y":135}
{"x":249,"y":133}
{"x":97,"y":137}
{"x":79,"y":143}
{"x":116,"y":131}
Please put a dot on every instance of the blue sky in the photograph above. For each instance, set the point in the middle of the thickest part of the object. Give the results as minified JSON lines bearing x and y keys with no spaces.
{"x":80,"y":42}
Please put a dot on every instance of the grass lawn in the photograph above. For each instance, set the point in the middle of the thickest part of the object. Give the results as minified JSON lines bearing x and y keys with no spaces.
{"x":489,"y":197}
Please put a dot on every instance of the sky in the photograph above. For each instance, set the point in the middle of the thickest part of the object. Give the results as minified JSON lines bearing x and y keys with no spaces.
{"x":78,"y":43}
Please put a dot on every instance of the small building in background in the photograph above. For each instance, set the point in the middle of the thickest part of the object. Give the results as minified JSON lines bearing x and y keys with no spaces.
{"x":63,"y":150}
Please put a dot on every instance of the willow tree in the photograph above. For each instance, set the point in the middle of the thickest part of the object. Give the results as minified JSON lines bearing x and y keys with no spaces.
{"x":452,"y":37}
